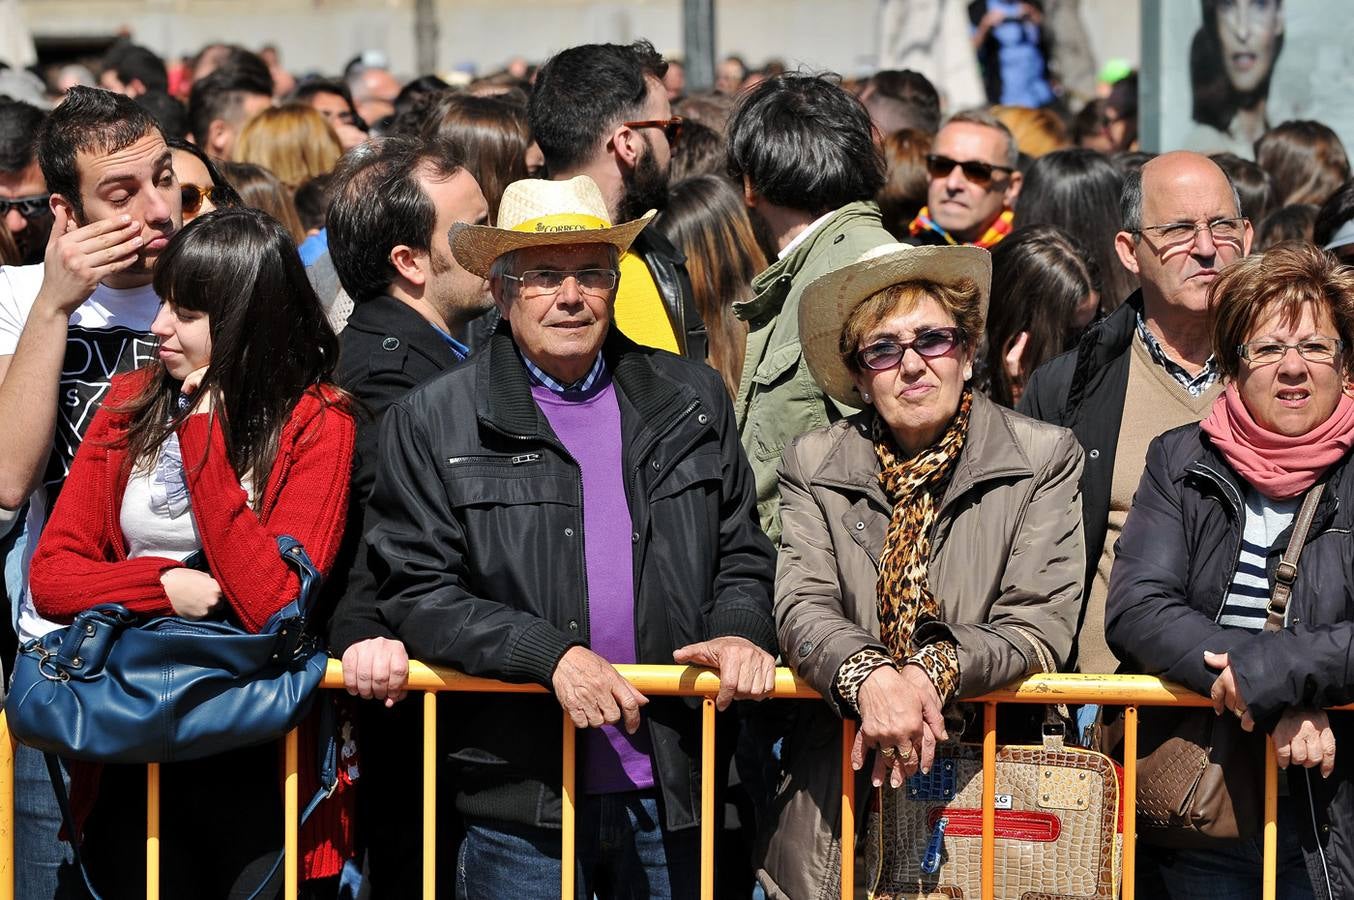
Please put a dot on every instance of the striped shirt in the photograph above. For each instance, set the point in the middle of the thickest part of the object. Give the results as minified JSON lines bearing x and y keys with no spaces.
{"x":1248,"y":596}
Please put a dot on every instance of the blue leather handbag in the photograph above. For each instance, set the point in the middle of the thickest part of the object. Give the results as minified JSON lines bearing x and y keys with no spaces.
{"x":113,"y":688}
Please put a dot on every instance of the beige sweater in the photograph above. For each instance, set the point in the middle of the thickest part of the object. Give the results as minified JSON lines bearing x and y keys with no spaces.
{"x":1154,"y":403}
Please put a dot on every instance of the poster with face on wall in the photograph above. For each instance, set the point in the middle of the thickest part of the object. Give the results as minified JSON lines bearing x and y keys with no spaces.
{"x":1230,"y":69}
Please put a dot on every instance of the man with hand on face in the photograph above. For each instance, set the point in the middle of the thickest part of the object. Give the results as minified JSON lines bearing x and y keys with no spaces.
{"x":67,"y":326}
{"x":601,"y":110}
{"x":565,"y":501}
{"x":974,"y":183}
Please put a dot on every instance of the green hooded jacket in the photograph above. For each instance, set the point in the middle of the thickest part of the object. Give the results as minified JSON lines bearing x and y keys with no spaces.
{"x":778,"y":400}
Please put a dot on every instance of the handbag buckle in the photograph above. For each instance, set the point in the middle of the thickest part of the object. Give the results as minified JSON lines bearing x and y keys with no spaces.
{"x":1286,"y":573}
{"x":51,"y":670}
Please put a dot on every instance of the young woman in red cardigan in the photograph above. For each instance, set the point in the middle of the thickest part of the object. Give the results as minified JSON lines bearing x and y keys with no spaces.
{"x":234,"y":436}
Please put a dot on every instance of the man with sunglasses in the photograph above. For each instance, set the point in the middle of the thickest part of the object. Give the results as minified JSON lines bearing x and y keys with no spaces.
{"x":601,"y":110}
{"x":1148,"y":367}
{"x":973,"y":186}
{"x":23,"y":190}
{"x":563,"y":502}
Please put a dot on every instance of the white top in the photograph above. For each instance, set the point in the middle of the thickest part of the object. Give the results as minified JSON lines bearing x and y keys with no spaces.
{"x":109,"y":334}
{"x":804,"y":235}
{"x":156,"y":521}
{"x":1247,"y":600}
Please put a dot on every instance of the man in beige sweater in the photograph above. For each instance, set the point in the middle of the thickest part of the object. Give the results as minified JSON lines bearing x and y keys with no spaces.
{"x":1148,"y":367}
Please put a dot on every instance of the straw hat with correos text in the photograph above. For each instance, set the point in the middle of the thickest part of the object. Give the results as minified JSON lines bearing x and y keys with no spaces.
{"x":539,"y":213}
{"x":828,"y":302}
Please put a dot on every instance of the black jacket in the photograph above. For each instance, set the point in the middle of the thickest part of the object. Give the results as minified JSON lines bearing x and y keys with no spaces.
{"x":1083,"y":389}
{"x":475,"y":524}
{"x":1173,"y":565}
{"x":385,"y":351}
{"x":667,"y":266}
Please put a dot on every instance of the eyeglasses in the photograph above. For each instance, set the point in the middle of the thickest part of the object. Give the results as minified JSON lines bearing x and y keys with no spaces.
{"x":538,"y":282}
{"x":933,"y":342}
{"x":1223,"y":231}
{"x":976,"y":171}
{"x":194,"y":194}
{"x":672,"y":128}
{"x":1315,"y":349}
{"x":28,"y":207}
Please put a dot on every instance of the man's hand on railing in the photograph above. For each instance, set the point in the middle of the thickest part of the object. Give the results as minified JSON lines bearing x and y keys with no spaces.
{"x":376,"y":669}
{"x":1303,"y":737}
{"x":593,"y":693}
{"x":746,"y":671}
{"x":901,"y":717}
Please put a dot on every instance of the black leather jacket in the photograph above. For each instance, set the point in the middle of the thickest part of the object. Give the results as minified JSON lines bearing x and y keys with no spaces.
{"x":1173,"y":565}
{"x":475,"y":524}
{"x":667,"y":265}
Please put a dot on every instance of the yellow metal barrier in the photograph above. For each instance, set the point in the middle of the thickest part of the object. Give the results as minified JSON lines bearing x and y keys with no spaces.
{"x":1129,"y":691}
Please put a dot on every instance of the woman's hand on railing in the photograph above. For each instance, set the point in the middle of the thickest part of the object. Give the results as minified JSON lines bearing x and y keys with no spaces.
{"x":746,"y":671}
{"x":193,"y":594}
{"x":1225,"y":694}
{"x":901,"y":717}
{"x":377,"y":669}
{"x":1303,"y":737}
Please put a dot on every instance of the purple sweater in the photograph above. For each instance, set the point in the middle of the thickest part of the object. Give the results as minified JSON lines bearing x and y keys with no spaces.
{"x":589,"y":426}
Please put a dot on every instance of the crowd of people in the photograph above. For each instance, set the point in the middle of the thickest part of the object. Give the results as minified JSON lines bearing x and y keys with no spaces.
{"x":567,"y":368}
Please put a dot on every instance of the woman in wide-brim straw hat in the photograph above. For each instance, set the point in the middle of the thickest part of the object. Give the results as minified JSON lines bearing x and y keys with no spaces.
{"x":932,"y":546}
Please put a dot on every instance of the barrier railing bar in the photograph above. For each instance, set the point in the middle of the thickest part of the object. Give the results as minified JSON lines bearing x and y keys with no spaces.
{"x":1130,"y":802}
{"x":6,"y":811}
{"x":1270,"y":877}
{"x":152,"y":831}
{"x":707,"y":799}
{"x":291,"y":885}
{"x":989,"y":837}
{"x":429,"y":795}
{"x":848,"y":838}
{"x":566,"y":841}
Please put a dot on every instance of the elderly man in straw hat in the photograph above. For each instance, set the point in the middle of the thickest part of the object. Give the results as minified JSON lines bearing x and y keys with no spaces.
{"x":562,"y":502}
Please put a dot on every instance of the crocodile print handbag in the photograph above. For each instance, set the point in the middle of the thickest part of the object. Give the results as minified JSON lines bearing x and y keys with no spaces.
{"x":1058,"y":827}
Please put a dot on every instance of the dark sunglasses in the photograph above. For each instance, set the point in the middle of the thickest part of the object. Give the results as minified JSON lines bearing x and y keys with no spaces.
{"x":672,"y":128}
{"x":976,"y":171}
{"x":194,"y":194}
{"x":933,"y":342}
{"x":28,"y":207}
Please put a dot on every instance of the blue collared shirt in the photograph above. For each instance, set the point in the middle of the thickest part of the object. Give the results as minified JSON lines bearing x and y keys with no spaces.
{"x":460,"y":350}
{"x":582,"y":386}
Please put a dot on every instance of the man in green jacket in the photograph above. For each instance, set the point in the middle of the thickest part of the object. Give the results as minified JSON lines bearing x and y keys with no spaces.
{"x":804,"y":150}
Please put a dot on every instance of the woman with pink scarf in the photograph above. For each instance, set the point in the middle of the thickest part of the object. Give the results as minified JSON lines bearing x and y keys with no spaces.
{"x":1195,"y":571}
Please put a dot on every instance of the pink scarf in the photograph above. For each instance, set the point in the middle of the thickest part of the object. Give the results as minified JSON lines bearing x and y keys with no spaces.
{"x":1278,"y":466}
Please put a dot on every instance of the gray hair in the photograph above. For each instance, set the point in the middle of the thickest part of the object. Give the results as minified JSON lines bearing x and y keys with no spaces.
{"x":1130,"y":200}
{"x":987,"y":120}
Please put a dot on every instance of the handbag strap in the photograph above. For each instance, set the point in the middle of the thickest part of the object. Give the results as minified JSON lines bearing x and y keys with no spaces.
{"x":1287,"y":571}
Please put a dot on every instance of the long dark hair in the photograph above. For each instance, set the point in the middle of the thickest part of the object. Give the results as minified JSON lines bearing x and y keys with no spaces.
{"x":1040,"y":275}
{"x":1216,"y":100}
{"x":706,"y":219}
{"x":271,"y":342}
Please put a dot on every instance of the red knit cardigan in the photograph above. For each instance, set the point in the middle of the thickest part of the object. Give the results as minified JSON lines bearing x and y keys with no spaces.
{"x":82,"y":561}
{"x":81,"y":558}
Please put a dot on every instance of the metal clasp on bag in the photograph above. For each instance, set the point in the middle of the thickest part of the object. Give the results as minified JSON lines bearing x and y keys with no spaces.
{"x":45,"y":664}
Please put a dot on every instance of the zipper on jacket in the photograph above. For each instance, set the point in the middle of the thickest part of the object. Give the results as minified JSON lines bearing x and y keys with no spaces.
{"x":1238,"y":516}
{"x":1320,"y":853}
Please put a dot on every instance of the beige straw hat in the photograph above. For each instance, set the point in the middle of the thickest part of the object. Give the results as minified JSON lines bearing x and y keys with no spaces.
{"x":829,"y":300}
{"x":539,"y":213}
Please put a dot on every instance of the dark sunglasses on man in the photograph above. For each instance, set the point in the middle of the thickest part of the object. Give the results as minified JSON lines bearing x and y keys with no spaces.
{"x":28,"y":207}
{"x":975,"y":171}
{"x":194,"y":194}
{"x":672,"y":128}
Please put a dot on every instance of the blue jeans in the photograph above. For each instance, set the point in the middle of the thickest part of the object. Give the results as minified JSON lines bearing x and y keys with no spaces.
{"x":623,"y":853}
{"x":43,"y":865}
{"x":1230,"y":873}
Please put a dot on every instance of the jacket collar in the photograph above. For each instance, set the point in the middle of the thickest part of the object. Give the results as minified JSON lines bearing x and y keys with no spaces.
{"x":506,"y":405}
{"x":385,"y":315}
{"x":990,"y":452}
{"x":1213,"y":467}
{"x":771,"y":287}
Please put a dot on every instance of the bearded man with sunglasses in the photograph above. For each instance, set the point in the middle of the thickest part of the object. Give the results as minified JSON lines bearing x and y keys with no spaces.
{"x":1148,"y":367}
{"x":601,"y":110}
{"x":973,"y":186}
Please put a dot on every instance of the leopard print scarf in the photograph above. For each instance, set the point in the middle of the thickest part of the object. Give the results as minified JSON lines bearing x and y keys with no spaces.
{"x":915,"y":487}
